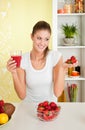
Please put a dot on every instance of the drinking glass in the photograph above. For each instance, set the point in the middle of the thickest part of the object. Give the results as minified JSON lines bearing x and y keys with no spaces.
{"x":16,"y":55}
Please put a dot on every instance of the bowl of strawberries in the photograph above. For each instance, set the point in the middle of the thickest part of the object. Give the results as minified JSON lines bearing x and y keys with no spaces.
{"x":47,"y":111}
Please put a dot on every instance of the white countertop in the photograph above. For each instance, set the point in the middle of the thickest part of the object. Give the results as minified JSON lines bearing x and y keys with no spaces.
{"x":71,"y":117}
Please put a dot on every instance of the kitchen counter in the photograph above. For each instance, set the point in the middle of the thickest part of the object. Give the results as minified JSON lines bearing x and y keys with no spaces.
{"x":71,"y":117}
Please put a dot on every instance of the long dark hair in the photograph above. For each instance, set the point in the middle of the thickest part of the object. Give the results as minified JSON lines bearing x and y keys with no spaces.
{"x":40,"y":26}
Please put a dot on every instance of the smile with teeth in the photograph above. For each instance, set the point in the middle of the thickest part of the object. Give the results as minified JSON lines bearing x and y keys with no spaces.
{"x":41,"y":47}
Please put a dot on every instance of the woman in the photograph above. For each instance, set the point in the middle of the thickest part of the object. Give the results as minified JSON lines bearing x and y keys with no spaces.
{"x":41,"y":74}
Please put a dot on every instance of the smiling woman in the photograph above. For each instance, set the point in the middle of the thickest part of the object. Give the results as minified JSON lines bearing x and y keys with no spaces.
{"x":41,"y":73}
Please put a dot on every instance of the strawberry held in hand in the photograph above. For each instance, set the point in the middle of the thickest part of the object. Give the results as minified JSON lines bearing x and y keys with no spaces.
{"x":72,"y":60}
{"x":47,"y":110}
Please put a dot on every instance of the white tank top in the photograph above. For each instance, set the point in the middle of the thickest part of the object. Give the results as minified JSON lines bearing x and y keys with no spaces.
{"x":40,"y":82}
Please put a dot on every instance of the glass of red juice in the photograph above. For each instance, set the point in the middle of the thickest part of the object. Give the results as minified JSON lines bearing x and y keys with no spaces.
{"x":17,"y":55}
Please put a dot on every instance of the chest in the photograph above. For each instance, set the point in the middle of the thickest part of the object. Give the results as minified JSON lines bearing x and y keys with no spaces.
{"x":38,"y":78}
{"x":38,"y":65}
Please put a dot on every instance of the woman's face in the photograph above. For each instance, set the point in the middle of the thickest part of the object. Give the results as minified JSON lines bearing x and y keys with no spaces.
{"x":41,"y":40}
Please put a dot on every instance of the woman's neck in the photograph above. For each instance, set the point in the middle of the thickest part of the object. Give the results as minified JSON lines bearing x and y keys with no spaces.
{"x":36,"y":55}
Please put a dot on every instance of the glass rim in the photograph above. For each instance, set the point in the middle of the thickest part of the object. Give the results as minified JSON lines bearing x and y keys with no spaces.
{"x":15,"y":52}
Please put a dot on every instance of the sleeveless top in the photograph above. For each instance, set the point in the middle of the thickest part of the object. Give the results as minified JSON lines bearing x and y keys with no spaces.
{"x":39,"y":83}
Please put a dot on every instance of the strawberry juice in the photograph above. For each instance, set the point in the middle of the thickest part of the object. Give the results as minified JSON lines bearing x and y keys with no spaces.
{"x":17,"y":60}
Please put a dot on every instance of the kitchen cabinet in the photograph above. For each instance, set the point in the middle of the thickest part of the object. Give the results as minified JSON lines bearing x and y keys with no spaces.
{"x":77,"y":49}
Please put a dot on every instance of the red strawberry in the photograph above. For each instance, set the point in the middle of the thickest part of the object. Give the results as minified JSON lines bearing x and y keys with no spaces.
{"x":1,"y":102}
{"x":73,"y":61}
{"x":53,"y":105}
{"x":68,"y":61}
{"x":1,"y":110}
{"x":48,"y":107}
{"x":40,"y":105}
{"x":40,"y":109}
{"x":50,"y":117}
{"x":73,"y":57}
{"x":45,"y":117}
{"x":46,"y":112}
{"x":45,"y":103}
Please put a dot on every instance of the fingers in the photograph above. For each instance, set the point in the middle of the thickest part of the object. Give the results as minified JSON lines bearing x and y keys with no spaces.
{"x":10,"y":61}
{"x":65,"y":65}
{"x":11,"y":65}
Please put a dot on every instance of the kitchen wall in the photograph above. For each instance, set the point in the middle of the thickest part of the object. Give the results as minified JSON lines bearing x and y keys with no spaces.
{"x":16,"y":21}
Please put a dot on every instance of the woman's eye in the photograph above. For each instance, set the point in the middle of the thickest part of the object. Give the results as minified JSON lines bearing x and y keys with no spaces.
{"x":47,"y":39}
{"x":39,"y":38}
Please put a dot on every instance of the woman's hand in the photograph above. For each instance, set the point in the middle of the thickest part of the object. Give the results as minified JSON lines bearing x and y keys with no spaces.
{"x":11,"y":65}
{"x":65,"y":66}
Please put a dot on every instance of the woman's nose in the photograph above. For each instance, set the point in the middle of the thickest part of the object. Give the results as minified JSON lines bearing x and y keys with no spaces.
{"x":42,"y":41}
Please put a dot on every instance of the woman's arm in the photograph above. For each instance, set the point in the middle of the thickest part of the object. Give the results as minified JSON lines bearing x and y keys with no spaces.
{"x":18,"y":75}
{"x":19,"y":82}
{"x":59,"y":78}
